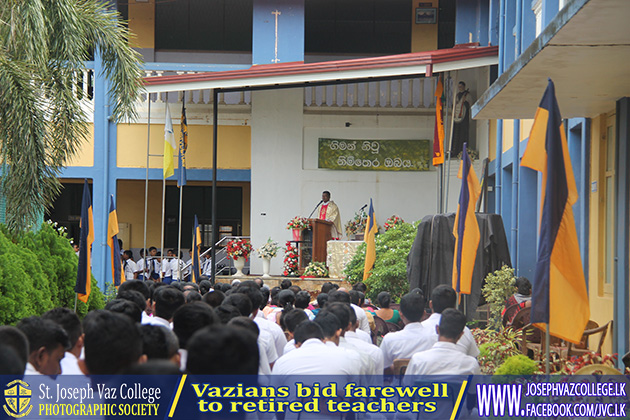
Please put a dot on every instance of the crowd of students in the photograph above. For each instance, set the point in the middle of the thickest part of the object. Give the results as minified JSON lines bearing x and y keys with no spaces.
{"x":242,"y":328}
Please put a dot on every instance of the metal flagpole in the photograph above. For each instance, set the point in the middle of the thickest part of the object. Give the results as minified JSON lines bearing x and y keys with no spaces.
{"x":215,"y":122}
{"x":450,"y":141}
{"x":163,"y":211}
{"x":146,"y":191}
{"x":179,"y":235}
{"x":547,"y":339}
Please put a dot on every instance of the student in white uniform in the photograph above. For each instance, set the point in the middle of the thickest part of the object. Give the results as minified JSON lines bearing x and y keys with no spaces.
{"x":442,"y":298}
{"x":414,"y":337}
{"x":445,"y":358}
{"x":313,"y":356}
{"x":344,"y":297}
{"x":128,"y":266}
{"x":167,"y":273}
{"x":374,"y":352}
{"x":166,"y":300}
{"x":176,"y":265}
{"x":71,"y":324}
{"x":141,"y":273}
{"x":289,"y":322}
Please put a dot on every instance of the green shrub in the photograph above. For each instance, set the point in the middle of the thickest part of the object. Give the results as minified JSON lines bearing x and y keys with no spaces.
{"x":390,"y":268}
{"x":517,"y":365}
{"x":38,"y":272}
{"x":499,"y":286}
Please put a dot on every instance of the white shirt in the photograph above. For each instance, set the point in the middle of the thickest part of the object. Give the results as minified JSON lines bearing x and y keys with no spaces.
{"x":175,"y":263}
{"x":373,"y":352}
{"x":206,"y":267}
{"x":160,"y":322}
{"x":364,"y":324}
{"x":70,"y":365}
{"x":314,"y":357}
{"x":362,"y":335}
{"x":405,"y":343}
{"x":367,"y":367}
{"x":443,"y":358}
{"x":30,"y":369}
{"x":290,"y":346}
{"x":140,"y":266}
{"x":466,"y":343}
{"x":279,"y":338}
{"x":130,"y":268}
{"x":166,"y":268}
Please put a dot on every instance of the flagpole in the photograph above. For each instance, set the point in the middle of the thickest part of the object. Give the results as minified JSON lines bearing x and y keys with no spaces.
{"x":547,"y":339}
{"x":163,"y":211}
{"x":179,"y":235}
{"x":146,"y":190}
{"x":450,"y":141}
{"x":76,"y":298}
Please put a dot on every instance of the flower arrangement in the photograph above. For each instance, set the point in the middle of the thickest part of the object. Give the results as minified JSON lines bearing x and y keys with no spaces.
{"x":316,"y":269}
{"x":472,"y":153}
{"x":290,"y":268}
{"x":298,"y":223}
{"x":268,"y":250}
{"x":393,"y":221}
{"x":239,"y":248}
{"x":356,"y":225}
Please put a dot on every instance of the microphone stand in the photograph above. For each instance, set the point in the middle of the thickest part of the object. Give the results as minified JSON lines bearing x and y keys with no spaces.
{"x":309,"y":216}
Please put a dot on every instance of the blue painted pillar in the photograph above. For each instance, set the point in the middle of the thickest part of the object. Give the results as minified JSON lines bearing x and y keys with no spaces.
{"x":278,"y":31}
{"x":104,"y":161}
{"x":621,"y":338}
{"x":549,"y":11}
{"x":493,"y":23}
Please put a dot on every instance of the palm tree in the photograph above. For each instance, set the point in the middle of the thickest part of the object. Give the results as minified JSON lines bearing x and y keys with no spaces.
{"x":44,"y":44}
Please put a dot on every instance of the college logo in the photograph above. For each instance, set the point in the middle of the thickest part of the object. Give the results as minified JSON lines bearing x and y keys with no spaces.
{"x":17,"y":396}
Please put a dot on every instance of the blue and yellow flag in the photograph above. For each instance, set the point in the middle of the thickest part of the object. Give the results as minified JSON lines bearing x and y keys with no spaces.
{"x":196,"y":245}
{"x":466,"y":229}
{"x":183,"y":145}
{"x":559,"y":295}
{"x":84,"y":273}
{"x":112,"y":241}
{"x":438,"y":132}
{"x":371,"y":228}
{"x":169,"y":145}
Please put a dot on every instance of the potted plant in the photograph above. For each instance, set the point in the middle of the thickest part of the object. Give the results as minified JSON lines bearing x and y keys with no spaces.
{"x":355,"y":228}
{"x":239,"y":250}
{"x":298,"y":224}
{"x":316,"y":269}
{"x":291,"y":262}
{"x":267,"y":252}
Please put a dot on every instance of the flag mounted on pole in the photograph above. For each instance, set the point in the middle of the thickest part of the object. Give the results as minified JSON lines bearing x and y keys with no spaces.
{"x":438,"y":132}
{"x":183,"y":145}
{"x":466,"y":229}
{"x":196,"y":245}
{"x":559,"y":296}
{"x":84,"y":273}
{"x":112,"y":241}
{"x":169,"y":145}
{"x":370,"y":248}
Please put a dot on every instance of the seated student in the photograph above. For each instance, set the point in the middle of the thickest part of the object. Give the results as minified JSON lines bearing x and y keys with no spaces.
{"x":47,"y":342}
{"x":133,"y":297}
{"x":413,"y":338}
{"x":442,"y":298}
{"x":187,"y":320}
{"x":313,"y":356}
{"x":273,"y":303}
{"x":126,"y":308}
{"x":166,"y":300}
{"x":214,"y":298}
{"x":205,"y":286}
{"x":223,"y":350}
{"x":322,"y":299}
{"x":264,"y":367}
{"x":302,"y":300}
{"x":10,"y":362}
{"x":71,"y":323}
{"x":344,"y":297}
{"x":385,"y":312}
{"x":522,"y":297}
{"x":141,"y":287}
{"x":112,"y":343}
{"x":342,"y":312}
{"x":286,"y":301}
{"x":160,"y":343}
{"x":445,"y":358}
{"x":374,"y":352}
{"x":17,"y":341}
{"x":289,"y":321}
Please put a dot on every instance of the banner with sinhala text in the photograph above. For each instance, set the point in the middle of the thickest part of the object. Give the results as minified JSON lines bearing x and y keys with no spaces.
{"x":374,"y":155}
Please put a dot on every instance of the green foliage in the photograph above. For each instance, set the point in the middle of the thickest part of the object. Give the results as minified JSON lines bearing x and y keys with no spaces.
{"x":495,"y":347}
{"x":316,"y":269}
{"x":499,"y":286}
{"x":37,"y":273}
{"x":390,"y":268}
{"x":517,"y":365}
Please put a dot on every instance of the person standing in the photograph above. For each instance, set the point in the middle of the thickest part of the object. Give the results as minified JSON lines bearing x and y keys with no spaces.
{"x":129,"y":266}
{"x":328,"y":210}
{"x":462,"y":119}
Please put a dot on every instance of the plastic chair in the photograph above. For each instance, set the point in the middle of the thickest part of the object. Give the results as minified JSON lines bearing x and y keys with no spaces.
{"x":591,"y":329}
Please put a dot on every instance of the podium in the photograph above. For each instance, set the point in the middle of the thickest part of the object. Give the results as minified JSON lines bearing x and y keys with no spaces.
{"x":313,"y":241}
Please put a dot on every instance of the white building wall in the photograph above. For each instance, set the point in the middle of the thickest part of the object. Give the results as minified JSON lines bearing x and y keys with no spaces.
{"x":285,"y":180}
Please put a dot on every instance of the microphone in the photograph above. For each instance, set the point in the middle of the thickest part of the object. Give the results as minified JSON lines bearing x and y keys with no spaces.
{"x":320,"y":202}
{"x":364,"y":206}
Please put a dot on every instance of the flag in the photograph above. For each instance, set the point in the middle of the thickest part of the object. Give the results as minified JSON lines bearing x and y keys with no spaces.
{"x":84,"y":272}
{"x":438,"y":132}
{"x":466,"y":228}
{"x":370,"y":248}
{"x":559,"y":295}
{"x":183,"y":146}
{"x":169,"y":145}
{"x":112,"y":241}
{"x":196,"y":245}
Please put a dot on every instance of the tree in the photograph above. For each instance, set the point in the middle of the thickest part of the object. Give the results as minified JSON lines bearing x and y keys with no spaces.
{"x":44,"y":45}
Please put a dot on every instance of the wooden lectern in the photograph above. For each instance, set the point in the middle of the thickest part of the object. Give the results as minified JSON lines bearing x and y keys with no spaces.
{"x":313,"y":241}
